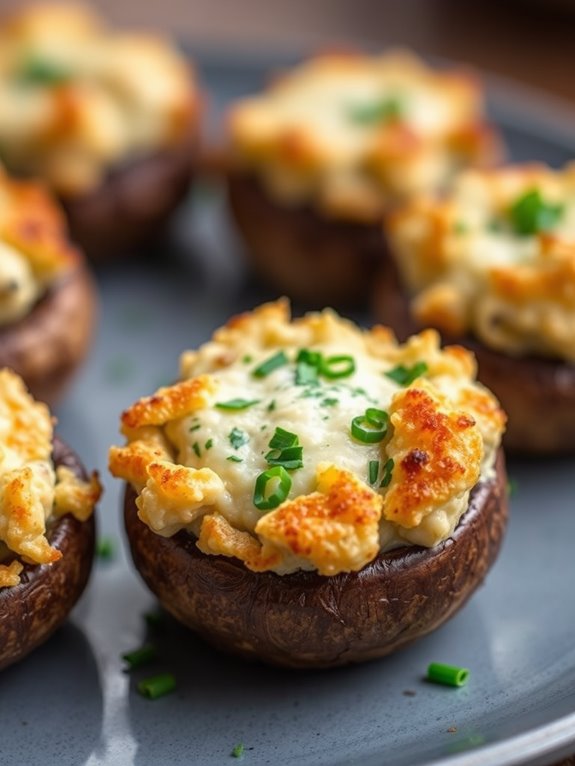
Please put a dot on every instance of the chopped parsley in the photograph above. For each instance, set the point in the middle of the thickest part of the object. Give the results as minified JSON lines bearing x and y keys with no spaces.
{"x":209,"y":444}
{"x":273,"y":363}
{"x":234,"y":459}
{"x":238,"y":438}
{"x":329,"y":402}
{"x":195,"y":427}
{"x":238,"y":751}
{"x":105,"y":549}
{"x":531,"y":214}
{"x":405,"y":375}
{"x":271,"y":406}
{"x":373,"y":471}
{"x":196,"y":448}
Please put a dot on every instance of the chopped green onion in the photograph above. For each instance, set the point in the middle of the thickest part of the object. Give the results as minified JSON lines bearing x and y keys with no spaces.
{"x":247,"y":359}
{"x":142,"y":656}
{"x":237,"y":404}
{"x":447,"y":674}
{"x":280,"y":478}
{"x":39,"y":71}
{"x":328,"y":402}
{"x":238,"y":438}
{"x":373,"y":471}
{"x":157,"y":686}
{"x":511,"y":487}
{"x":339,"y":366}
{"x":195,"y":427}
{"x":290,"y":457}
{"x":235,"y":459}
{"x":383,"y":110}
{"x":209,"y":444}
{"x":282,"y":439}
{"x":371,"y":427}
{"x":387,"y":472}
{"x":237,"y":751}
{"x":105,"y":549}
{"x":460,"y":227}
{"x":406,"y":375}
{"x":530,"y":214}
{"x":196,"y":448}
{"x":307,"y":367}
{"x":271,"y":364}
{"x":271,"y":406}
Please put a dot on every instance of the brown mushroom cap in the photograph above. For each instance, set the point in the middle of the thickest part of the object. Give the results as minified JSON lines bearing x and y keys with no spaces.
{"x":309,"y":257}
{"x":537,"y":394}
{"x":46,"y":347}
{"x":134,"y":202}
{"x":31,"y":611}
{"x":308,"y":620}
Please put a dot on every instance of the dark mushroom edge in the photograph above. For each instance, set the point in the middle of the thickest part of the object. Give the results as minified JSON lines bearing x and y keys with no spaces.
{"x":302,"y":253}
{"x":31,"y":611}
{"x":537,"y":394}
{"x":48,"y":345}
{"x":306,"y":620}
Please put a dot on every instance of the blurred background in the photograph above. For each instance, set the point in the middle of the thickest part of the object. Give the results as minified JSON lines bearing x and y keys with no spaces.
{"x":529,"y":40}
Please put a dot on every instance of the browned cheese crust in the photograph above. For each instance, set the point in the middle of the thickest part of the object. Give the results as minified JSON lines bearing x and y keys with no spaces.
{"x":537,"y":394}
{"x":31,"y":611}
{"x":307,"y":620}
{"x":305,"y":255}
{"x":133,"y":205}
{"x":47,"y":345}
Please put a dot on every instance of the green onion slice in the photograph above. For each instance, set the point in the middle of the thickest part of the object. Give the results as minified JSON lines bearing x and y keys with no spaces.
{"x":406,"y":375}
{"x":387,"y":472}
{"x":39,"y":71}
{"x":373,"y":471}
{"x":371,"y":427}
{"x":308,"y":365}
{"x":105,"y":549}
{"x":450,"y":675}
{"x":142,"y":656}
{"x":237,"y":404}
{"x":280,"y":479}
{"x":237,"y":751}
{"x":339,"y":366}
{"x":235,"y":459}
{"x":282,"y":439}
{"x":271,"y":364}
{"x":289,"y":457}
{"x":530,"y":214}
{"x":383,"y":110}
{"x":157,"y":686}
{"x":238,"y":438}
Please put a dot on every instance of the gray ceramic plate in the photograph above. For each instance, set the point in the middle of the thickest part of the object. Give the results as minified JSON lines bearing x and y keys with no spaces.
{"x":71,"y":703}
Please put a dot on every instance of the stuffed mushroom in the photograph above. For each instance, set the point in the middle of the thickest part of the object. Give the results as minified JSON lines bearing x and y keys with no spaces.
{"x":109,"y":120}
{"x":311,"y":494}
{"x":46,"y":523}
{"x":329,"y":148}
{"x":47,"y":295}
{"x":492,"y":266}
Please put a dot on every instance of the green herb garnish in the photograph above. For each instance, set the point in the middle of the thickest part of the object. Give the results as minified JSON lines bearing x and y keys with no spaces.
{"x":105,"y":549}
{"x":271,"y":406}
{"x":338,"y":366}
{"x":209,"y":444}
{"x":157,"y":686}
{"x":289,"y":457}
{"x":371,"y":427}
{"x":406,"y":375}
{"x":460,"y":227}
{"x":387,"y":472}
{"x":237,"y":404}
{"x":271,"y":488}
{"x":373,"y":471}
{"x":449,"y":675}
{"x":237,"y":751}
{"x":271,"y":364}
{"x":234,"y":459}
{"x":391,"y":108}
{"x":328,"y":402}
{"x":238,"y":438}
{"x":530,"y":214}
{"x":196,"y":448}
{"x":194,"y":427}
{"x":39,"y":71}
{"x":142,"y":656}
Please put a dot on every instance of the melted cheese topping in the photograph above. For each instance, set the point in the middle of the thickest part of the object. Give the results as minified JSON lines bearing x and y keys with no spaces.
{"x":354,"y":133}
{"x":32,"y":492}
{"x":469,"y":269}
{"x":34,"y":251}
{"x":77,"y":99}
{"x":195,"y":450}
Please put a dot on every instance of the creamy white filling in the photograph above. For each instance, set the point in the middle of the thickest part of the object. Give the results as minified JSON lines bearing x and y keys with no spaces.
{"x":19,"y":289}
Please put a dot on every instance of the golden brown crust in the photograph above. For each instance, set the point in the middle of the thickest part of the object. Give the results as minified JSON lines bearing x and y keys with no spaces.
{"x":33,"y":609}
{"x":537,"y":394}
{"x":47,"y":346}
{"x":307,"y":620}
{"x":310,"y":257}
